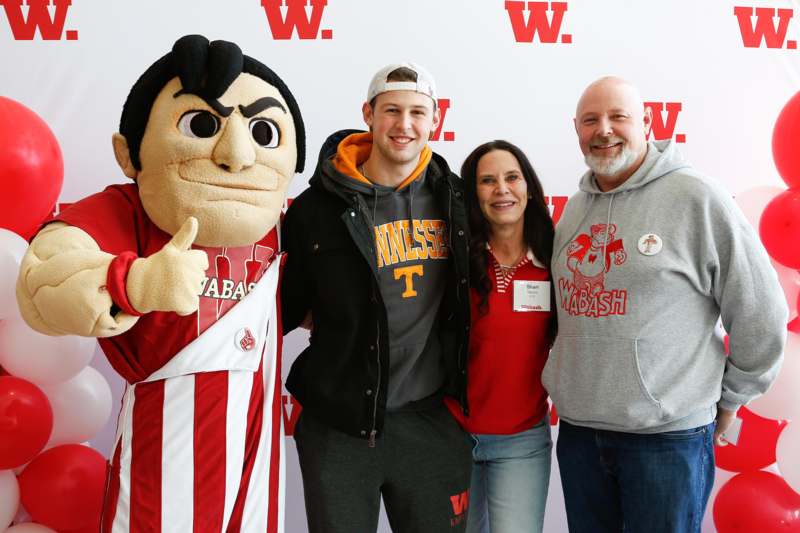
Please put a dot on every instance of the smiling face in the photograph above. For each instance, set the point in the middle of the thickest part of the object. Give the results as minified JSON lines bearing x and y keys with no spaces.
{"x":401,"y":123}
{"x":228,"y":166}
{"x":611,"y":123}
{"x":501,"y":189}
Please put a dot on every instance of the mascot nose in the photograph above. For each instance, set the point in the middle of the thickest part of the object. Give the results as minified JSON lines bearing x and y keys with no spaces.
{"x":234,"y":151}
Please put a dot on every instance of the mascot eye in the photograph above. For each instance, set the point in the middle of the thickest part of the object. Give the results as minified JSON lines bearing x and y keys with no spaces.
{"x":265,"y":132}
{"x":198,"y":124}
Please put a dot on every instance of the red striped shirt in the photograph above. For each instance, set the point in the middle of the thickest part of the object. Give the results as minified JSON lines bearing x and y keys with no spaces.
{"x":199,"y":444}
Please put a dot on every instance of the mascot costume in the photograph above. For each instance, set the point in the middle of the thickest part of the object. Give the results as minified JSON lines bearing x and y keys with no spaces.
{"x":176,"y":275}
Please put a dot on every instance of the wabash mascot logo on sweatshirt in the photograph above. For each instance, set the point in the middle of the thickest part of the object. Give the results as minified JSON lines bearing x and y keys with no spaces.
{"x":589,"y":257}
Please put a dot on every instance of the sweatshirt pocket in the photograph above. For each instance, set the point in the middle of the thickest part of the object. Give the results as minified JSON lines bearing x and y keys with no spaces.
{"x":598,"y":380}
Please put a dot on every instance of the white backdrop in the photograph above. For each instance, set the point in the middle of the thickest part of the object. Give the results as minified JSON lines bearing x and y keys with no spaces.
{"x":719,"y":86}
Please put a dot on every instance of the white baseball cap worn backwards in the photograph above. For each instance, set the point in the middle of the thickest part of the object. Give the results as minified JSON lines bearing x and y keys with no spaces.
{"x":424,"y":84}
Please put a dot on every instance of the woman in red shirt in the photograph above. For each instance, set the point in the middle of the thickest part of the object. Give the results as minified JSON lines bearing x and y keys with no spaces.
{"x":513,"y":325}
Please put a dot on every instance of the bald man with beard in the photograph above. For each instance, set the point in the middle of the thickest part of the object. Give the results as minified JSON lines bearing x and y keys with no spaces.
{"x":648,"y":255}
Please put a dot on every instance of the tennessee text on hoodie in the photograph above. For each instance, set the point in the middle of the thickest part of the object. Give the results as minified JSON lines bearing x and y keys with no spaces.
{"x":642,"y":273}
{"x":412,"y":255}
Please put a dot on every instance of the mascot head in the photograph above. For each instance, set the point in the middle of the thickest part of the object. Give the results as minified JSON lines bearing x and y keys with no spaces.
{"x":211,"y":133}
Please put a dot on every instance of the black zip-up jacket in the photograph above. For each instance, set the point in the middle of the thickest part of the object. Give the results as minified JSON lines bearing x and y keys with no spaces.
{"x":341,"y":378}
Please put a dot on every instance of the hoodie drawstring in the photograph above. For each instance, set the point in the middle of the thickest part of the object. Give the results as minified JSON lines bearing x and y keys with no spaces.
{"x":608,"y":223}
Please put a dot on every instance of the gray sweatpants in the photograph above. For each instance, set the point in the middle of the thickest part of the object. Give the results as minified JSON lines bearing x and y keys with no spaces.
{"x":421,"y":466}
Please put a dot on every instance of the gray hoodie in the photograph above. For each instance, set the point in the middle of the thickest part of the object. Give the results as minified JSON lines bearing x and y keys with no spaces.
{"x":412,"y":274}
{"x":642,"y":273}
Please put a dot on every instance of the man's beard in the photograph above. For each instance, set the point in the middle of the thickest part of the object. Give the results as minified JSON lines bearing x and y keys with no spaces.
{"x":611,"y":167}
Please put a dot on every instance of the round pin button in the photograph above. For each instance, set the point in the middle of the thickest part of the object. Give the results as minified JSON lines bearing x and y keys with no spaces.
{"x":650,"y":244}
{"x":245,"y":340}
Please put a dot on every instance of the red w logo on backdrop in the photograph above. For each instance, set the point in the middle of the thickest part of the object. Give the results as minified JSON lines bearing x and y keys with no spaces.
{"x":448,"y":136}
{"x":543,"y":20}
{"x":765,"y":28}
{"x":664,"y":127}
{"x":557,"y":203}
{"x":291,"y":412}
{"x":51,"y":27}
{"x":285,"y":16}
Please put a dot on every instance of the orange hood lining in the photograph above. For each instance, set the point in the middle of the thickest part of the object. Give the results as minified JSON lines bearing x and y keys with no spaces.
{"x":354,"y":150}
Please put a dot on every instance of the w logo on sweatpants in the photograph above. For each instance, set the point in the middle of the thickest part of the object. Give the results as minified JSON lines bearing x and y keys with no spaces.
{"x":460,"y":503}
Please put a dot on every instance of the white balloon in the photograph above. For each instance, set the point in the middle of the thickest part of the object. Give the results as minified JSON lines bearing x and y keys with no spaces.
{"x":30,"y":527}
{"x":12,"y":248}
{"x":788,"y":456}
{"x":790,"y":283}
{"x":752,"y":203}
{"x":41,"y":359}
{"x":9,"y":498}
{"x":782,"y":400}
{"x":81,"y":407}
{"x":23,"y":515}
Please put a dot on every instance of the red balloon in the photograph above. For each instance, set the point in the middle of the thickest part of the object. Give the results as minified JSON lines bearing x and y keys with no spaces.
{"x":26,"y":421}
{"x":757,"y":501}
{"x":91,"y":528}
{"x":63,"y":487}
{"x":31,"y":168}
{"x":779,"y":228}
{"x":784,"y":142}
{"x":756,"y":445}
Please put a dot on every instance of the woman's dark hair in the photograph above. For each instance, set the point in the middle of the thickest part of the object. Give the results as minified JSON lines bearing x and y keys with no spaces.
{"x":537,"y":226}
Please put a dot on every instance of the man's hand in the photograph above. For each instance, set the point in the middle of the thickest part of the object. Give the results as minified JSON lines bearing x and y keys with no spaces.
{"x":170,"y":279}
{"x":725,"y":419}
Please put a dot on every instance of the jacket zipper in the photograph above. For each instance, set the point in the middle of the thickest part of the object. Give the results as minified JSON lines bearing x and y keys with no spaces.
{"x":461,"y":362}
{"x":373,"y":432}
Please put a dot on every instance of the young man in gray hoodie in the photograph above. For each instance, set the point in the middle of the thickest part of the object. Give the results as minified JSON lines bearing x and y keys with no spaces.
{"x":377,"y":255}
{"x":647,"y":256}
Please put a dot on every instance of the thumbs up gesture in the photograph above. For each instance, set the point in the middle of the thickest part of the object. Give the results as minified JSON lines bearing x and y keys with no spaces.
{"x":170,"y":279}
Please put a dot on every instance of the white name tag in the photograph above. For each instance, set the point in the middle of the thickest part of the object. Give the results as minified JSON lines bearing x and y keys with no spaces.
{"x":531,"y":295}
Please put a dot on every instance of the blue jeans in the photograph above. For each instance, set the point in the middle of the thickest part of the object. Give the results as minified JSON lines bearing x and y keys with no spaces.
{"x":632,"y":483}
{"x":510,"y":476}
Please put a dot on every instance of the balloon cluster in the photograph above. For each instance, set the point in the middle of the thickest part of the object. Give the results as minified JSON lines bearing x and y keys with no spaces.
{"x":756,"y":499}
{"x":50,"y":400}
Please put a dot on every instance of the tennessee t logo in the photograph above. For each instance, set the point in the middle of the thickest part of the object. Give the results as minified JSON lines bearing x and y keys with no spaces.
{"x":50,"y":28}
{"x":665,"y":129}
{"x":408,"y":272}
{"x":764,"y":28}
{"x":296,"y":18}
{"x":538,"y":21}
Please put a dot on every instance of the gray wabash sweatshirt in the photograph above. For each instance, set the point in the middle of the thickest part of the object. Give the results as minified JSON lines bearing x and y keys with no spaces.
{"x":641,"y":275}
